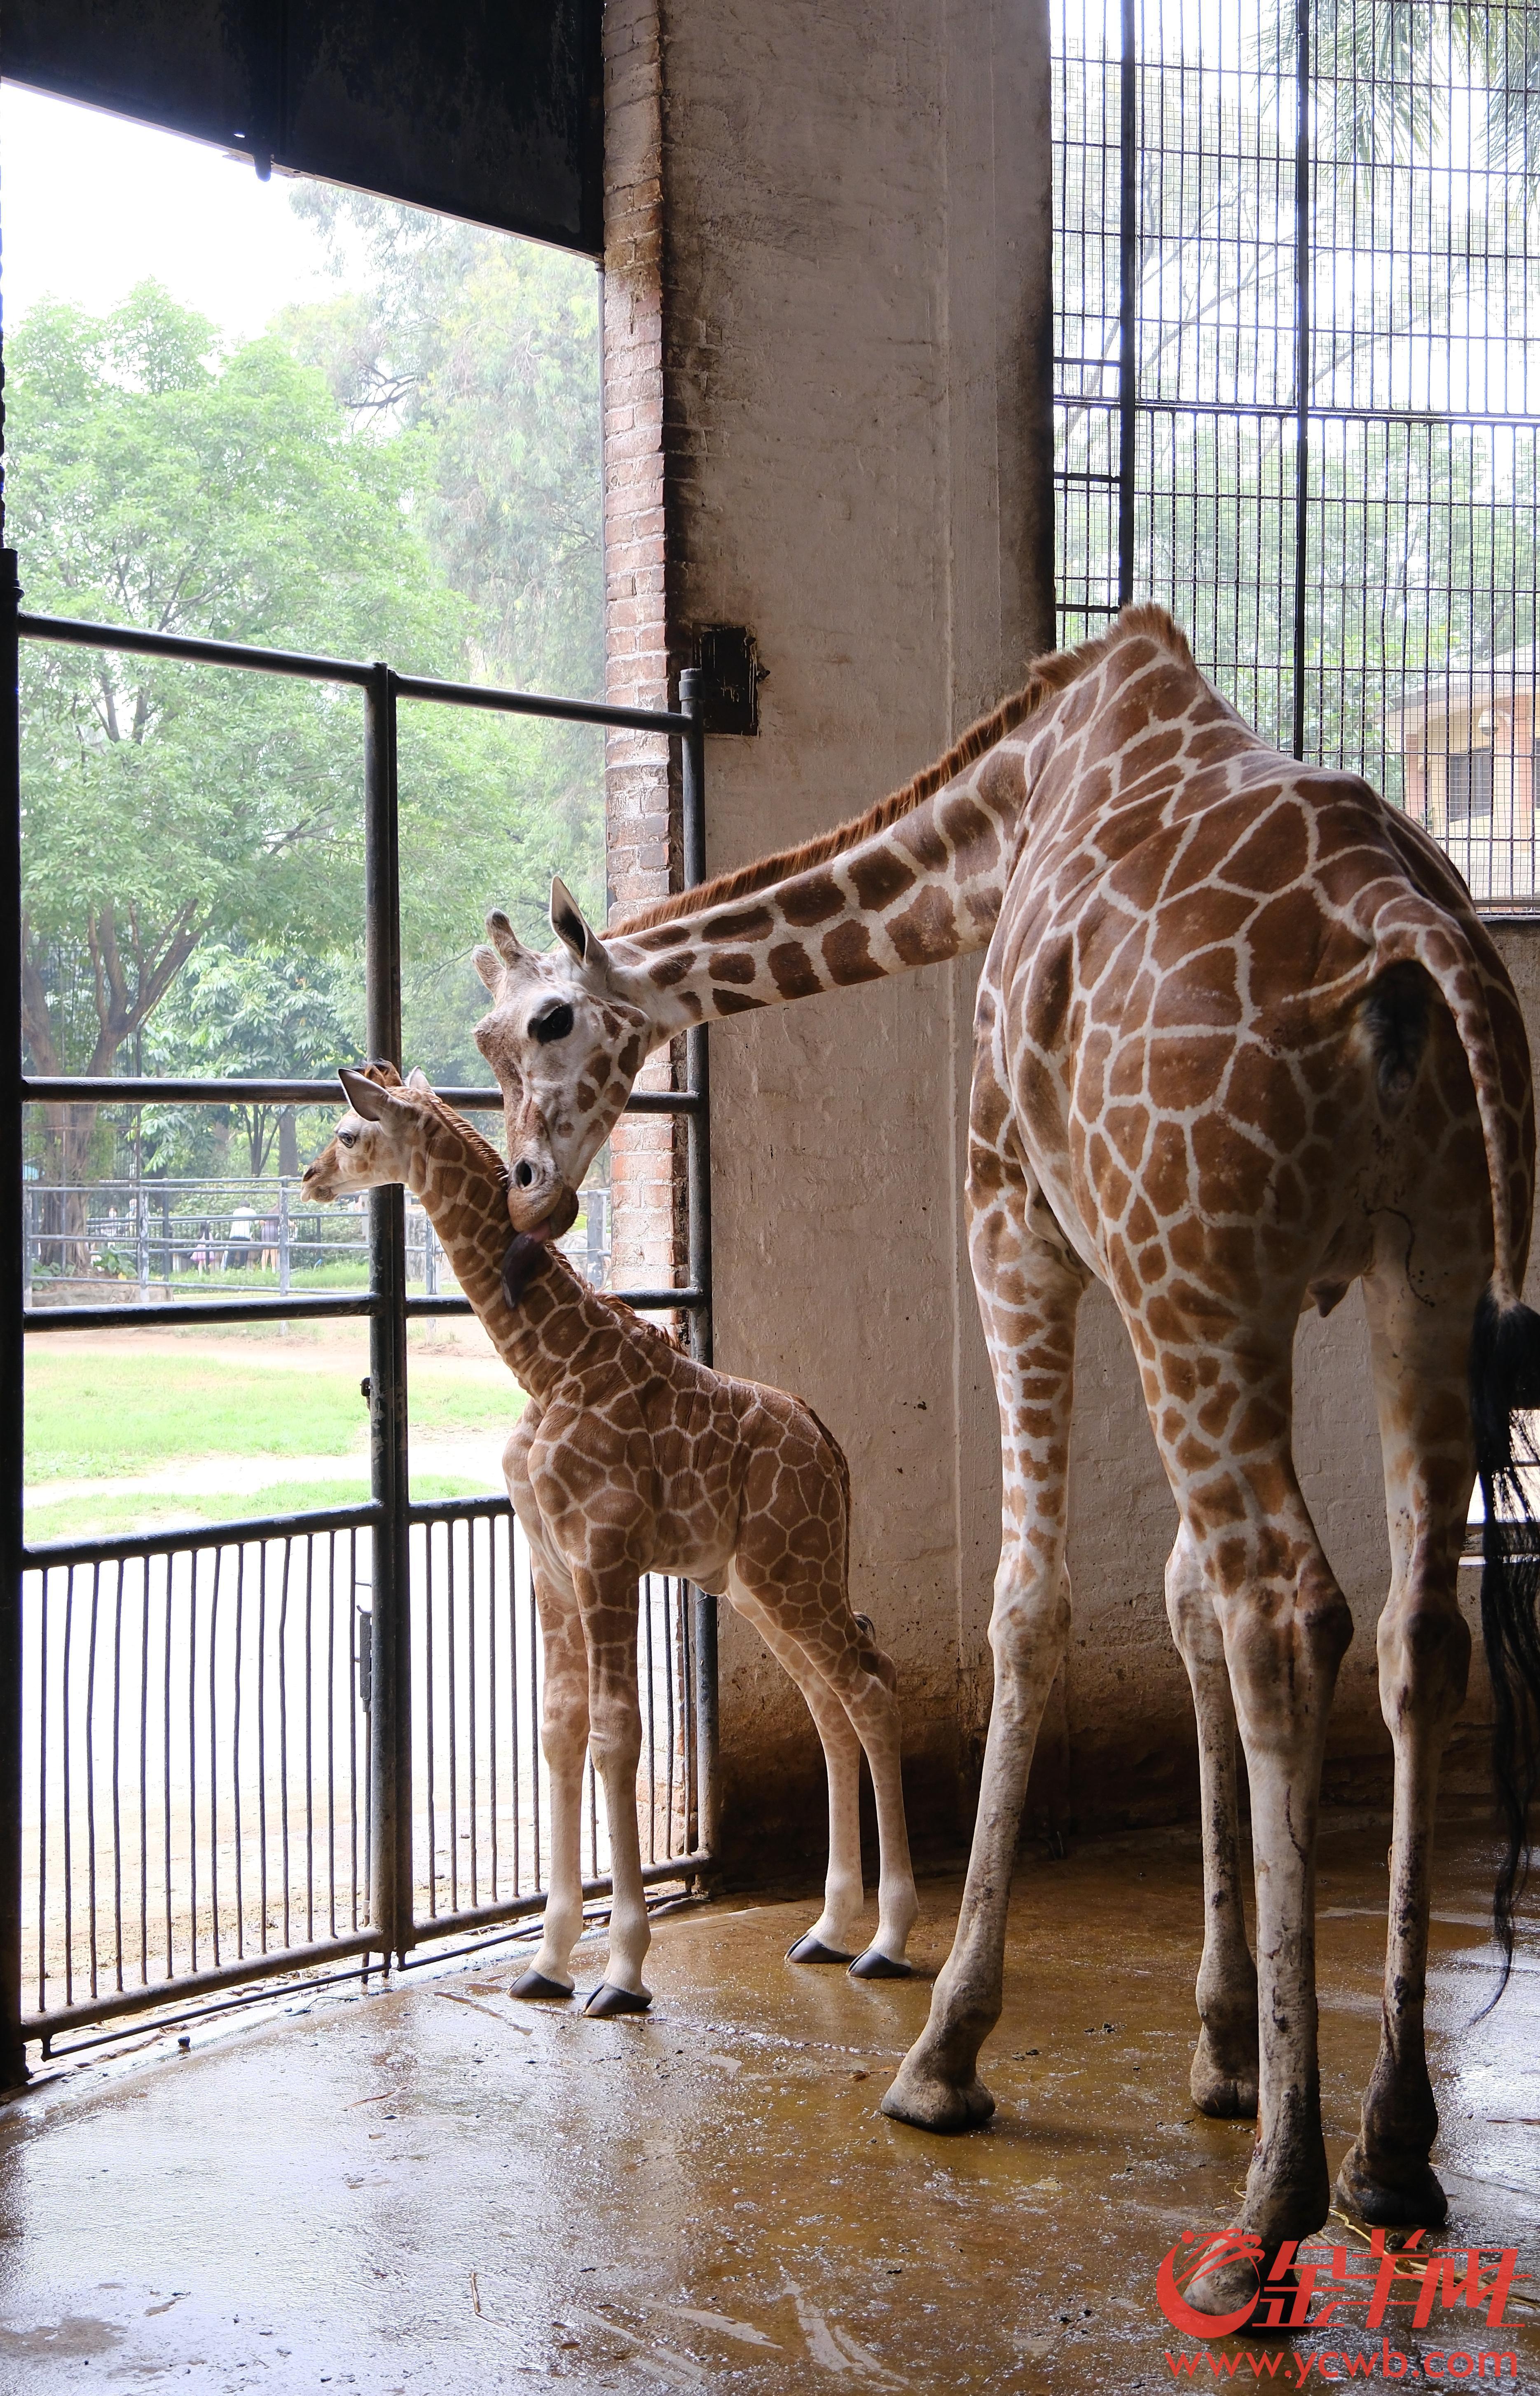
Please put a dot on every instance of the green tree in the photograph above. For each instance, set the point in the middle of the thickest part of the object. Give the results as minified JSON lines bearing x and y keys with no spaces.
{"x":158,"y":482}
{"x":491,"y":348}
{"x":247,"y":1009}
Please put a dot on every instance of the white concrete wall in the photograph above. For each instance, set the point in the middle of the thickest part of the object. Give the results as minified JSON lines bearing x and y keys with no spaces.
{"x":849,"y":217}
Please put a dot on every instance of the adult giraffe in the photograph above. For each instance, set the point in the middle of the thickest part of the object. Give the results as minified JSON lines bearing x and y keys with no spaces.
{"x":1242,"y":1040}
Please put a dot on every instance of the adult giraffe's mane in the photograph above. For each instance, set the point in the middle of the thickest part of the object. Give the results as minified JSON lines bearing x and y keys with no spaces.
{"x":1048,"y":676}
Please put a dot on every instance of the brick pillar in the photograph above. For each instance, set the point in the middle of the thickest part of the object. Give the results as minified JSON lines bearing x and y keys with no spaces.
{"x":641,"y":783}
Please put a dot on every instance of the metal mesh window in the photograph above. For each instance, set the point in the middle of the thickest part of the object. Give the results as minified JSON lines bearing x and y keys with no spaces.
{"x":1297,"y":267}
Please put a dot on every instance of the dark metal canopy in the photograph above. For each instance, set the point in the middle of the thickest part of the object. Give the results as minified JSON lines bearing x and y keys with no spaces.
{"x":486,"y":109}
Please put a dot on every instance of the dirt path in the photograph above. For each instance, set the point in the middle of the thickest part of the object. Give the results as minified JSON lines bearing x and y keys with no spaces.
{"x":471,"y":1456}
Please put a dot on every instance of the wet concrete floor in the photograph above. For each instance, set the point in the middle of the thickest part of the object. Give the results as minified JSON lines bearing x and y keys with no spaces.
{"x":427,"y":2187}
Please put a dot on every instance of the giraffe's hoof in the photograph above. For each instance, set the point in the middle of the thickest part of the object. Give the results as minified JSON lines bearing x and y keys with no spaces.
{"x":808,"y":1949}
{"x":607,"y":2000}
{"x":873,"y":1966}
{"x":535,"y":1985}
{"x":1223,"y":2087}
{"x":1409,"y":2200}
{"x":1218,"y":2301}
{"x":926,"y":2101}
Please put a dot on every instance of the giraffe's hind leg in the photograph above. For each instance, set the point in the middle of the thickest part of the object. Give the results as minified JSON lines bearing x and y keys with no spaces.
{"x":1421,"y":1337}
{"x":832,"y":1938}
{"x":838,"y":1649}
{"x":1223,"y":2078}
{"x":1221,"y":1405}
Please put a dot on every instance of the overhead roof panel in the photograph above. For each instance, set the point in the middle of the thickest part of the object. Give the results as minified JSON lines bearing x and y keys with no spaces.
{"x":487,"y":109}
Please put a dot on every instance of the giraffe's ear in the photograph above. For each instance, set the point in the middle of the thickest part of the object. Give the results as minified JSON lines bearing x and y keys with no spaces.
{"x":418,"y":1080}
{"x":578,"y":937}
{"x":365,"y":1096}
{"x":505,"y":940}
{"x":489,"y":965}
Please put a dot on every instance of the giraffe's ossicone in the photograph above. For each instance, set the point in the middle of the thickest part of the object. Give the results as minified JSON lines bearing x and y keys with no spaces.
{"x":632,"y":1457}
{"x":1242,"y":1040}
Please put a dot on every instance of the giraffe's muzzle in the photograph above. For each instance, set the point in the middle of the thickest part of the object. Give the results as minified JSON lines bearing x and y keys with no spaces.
{"x":540,"y":1203}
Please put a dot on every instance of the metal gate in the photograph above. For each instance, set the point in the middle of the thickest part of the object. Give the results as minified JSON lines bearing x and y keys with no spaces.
{"x":1297,"y":277}
{"x":294,"y":1740}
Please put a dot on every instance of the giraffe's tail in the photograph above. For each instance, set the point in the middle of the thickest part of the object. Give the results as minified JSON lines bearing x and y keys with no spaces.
{"x":1504,"y":1388}
{"x":1505,"y":1362}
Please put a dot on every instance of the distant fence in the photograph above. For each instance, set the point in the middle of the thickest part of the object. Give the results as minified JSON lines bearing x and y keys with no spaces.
{"x":163,"y":1235}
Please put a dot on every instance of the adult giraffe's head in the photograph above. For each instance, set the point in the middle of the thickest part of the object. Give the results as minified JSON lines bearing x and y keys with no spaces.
{"x":565,"y":1043}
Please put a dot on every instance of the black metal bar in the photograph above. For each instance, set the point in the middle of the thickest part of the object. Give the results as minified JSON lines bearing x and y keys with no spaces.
{"x":1302,"y":359}
{"x":65,"y":632}
{"x":54,"y":1555}
{"x":146,"y":1090}
{"x":485,"y":1917}
{"x":389,"y":1715}
{"x":452,"y":1710}
{"x":514,"y":1691}
{"x":697,"y":1162}
{"x":697,"y":1166}
{"x":1283,"y":411}
{"x":192,"y":1984}
{"x":491,"y":1675}
{"x":526,"y":702}
{"x":191,"y":1312}
{"x":13,"y":2059}
{"x":1128,"y":297}
{"x":686,"y":1301}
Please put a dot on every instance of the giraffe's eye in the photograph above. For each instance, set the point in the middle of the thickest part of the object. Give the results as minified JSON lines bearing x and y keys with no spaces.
{"x":347,"y":1140}
{"x":554,"y":1024}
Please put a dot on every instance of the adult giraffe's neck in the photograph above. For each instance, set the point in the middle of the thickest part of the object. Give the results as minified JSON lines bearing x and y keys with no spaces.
{"x":921,"y":889}
{"x":466,"y":1201}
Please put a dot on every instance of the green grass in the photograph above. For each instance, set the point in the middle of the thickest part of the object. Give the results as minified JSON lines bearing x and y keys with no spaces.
{"x":90,"y":1415}
{"x":78,"y":1518}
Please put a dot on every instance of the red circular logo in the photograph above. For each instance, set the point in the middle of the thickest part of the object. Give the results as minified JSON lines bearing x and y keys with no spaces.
{"x":1219,"y":2246}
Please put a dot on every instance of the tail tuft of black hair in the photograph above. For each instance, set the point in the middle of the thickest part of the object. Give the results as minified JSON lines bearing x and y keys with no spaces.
{"x":1504,"y":1387}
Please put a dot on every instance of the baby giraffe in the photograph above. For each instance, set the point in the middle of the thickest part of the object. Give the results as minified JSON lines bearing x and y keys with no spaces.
{"x":631,"y":1457}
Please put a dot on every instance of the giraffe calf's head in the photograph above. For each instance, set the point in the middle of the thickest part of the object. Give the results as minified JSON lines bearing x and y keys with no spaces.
{"x":379,"y":1141}
{"x":564,"y":1041}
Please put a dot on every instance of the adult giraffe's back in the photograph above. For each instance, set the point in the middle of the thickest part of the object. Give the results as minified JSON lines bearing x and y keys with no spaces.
{"x":1242,"y":1040}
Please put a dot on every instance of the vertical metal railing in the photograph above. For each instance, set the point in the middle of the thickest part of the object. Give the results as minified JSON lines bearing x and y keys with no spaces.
{"x":391,"y":1652}
{"x":1302,"y":273}
{"x":699,"y":1188}
{"x":237,"y":1699}
{"x":12,"y":2050}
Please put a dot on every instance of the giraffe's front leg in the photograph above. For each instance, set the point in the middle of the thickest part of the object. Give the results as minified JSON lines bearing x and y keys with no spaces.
{"x":938,"y":2087}
{"x":1029,"y":1291}
{"x":1223,"y":2078}
{"x":563,"y":1741}
{"x":609,"y":1601}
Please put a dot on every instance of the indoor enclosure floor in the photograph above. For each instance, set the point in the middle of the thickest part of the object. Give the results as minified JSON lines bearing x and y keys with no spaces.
{"x":427,"y":2186}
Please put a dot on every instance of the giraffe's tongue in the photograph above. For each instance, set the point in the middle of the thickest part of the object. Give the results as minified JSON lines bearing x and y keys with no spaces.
{"x":524,"y":1255}
{"x":559,"y":1221}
